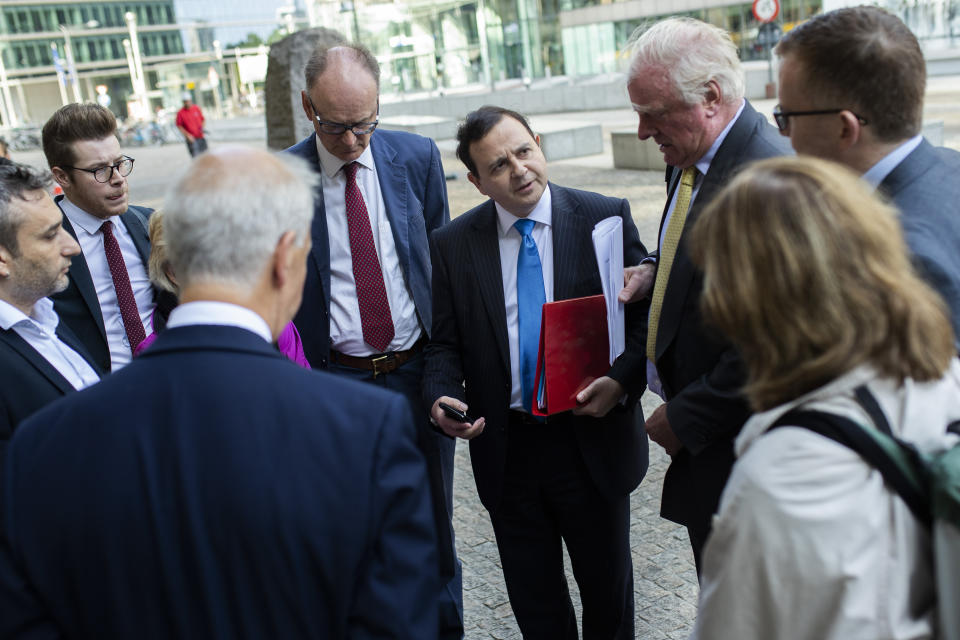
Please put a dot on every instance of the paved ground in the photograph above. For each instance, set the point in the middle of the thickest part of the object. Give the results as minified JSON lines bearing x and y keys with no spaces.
{"x":665,"y":582}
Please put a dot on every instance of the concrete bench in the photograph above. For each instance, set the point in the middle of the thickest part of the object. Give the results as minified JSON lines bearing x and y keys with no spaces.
{"x":629,"y":152}
{"x":562,"y":140}
{"x":436,"y":127}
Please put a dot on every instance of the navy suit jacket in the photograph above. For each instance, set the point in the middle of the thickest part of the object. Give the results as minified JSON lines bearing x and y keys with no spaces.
{"x":701,"y":372}
{"x":213,"y":489}
{"x":925,"y":186}
{"x":78,"y":306}
{"x":415,"y":195}
{"x":468,"y":356}
{"x":28,"y":382}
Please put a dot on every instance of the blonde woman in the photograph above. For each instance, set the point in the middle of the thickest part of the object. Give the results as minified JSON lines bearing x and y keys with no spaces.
{"x":807,"y":273}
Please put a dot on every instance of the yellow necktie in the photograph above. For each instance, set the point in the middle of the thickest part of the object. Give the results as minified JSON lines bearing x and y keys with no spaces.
{"x":667,"y":252}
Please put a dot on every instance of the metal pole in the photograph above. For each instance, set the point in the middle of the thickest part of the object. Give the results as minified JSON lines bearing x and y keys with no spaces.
{"x":71,"y":64}
{"x":8,"y":112}
{"x":59,"y":67}
{"x":141,"y":88}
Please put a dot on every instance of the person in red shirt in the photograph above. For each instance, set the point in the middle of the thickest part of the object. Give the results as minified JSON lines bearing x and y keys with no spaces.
{"x":190,"y":124}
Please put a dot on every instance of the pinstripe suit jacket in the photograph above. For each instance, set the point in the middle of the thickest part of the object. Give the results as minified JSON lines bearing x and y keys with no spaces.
{"x":468,"y":356}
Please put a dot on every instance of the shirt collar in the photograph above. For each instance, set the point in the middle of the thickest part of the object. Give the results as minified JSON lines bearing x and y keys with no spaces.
{"x":42,"y":315}
{"x":703,"y":165}
{"x":878,"y":172}
{"x":80,"y":218}
{"x":219,"y":313}
{"x":542,"y":213}
{"x":331,"y":164}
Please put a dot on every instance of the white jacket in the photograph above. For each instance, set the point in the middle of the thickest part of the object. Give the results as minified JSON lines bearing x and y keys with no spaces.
{"x":808,"y":542}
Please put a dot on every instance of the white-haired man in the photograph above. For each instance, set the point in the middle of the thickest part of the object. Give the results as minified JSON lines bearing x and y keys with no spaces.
{"x":686,"y":86}
{"x":249,"y":498}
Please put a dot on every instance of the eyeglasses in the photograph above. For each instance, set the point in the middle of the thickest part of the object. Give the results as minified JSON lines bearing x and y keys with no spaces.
{"x":338,"y":129}
{"x":782,"y":118}
{"x":105,"y":174}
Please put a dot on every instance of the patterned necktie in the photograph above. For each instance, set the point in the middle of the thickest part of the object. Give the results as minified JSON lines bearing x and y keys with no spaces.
{"x":375,"y":318}
{"x":121,"y":284}
{"x":667,"y":253}
{"x":530,"y":301}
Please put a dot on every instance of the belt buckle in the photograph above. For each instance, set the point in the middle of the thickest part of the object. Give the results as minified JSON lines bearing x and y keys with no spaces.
{"x":375,"y":362}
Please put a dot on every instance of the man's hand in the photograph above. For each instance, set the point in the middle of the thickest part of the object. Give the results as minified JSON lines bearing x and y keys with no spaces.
{"x":465,"y":430}
{"x":599,"y":397}
{"x":658,"y":429}
{"x":638,"y":282}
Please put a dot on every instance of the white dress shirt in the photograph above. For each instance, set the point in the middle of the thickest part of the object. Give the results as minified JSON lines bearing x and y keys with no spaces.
{"x":878,"y":172}
{"x":702,"y":165}
{"x":39,"y":329}
{"x":346,"y":331}
{"x":510,"y":242}
{"x":219,"y":313}
{"x":87,"y":228}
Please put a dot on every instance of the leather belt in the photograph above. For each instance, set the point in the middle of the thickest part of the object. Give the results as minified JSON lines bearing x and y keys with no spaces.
{"x":378,"y":363}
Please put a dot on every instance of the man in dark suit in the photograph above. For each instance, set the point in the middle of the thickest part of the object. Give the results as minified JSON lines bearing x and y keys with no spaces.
{"x":110,"y":300}
{"x":567,"y":477}
{"x":366,"y":310}
{"x":40,"y":359}
{"x":852,"y":83}
{"x":249,"y":498}
{"x":693,"y":107}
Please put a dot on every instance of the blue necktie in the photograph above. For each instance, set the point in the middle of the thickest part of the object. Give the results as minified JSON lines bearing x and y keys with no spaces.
{"x":530,"y":301}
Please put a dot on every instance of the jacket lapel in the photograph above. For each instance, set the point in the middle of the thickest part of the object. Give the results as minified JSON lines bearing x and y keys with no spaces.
{"x":567,"y":237}
{"x":484,"y":248}
{"x":320,"y":250}
{"x":31,"y":355}
{"x":81,"y":278}
{"x":394,"y":188}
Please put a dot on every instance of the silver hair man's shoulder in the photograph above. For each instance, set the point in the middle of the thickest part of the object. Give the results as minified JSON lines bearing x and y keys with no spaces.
{"x":224,"y":216}
{"x":694,"y":53}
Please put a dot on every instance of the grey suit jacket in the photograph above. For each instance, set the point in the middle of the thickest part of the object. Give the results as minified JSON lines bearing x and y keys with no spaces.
{"x":925,"y":186}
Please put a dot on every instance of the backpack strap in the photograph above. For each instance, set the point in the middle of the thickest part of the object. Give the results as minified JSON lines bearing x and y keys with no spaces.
{"x":882,"y":453}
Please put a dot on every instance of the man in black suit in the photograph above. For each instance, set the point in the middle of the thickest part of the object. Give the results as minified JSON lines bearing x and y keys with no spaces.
{"x":542,"y":481}
{"x":247,"y":497}
{"x":40,"y":359}
{"x":693,"y":107}
{"x":852,"y":83}
{"x":110,"y":300}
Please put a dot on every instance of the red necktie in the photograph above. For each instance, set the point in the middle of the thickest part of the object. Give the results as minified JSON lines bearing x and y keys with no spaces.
{"x":121,"y":284}
{"x":375,"y":318}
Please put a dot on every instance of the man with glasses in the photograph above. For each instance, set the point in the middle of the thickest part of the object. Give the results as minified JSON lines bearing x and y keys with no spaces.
{"x":693,"y":107}
{"x":109,"y":300}
{"x":366,"y":311}
{"x":852,"y":83}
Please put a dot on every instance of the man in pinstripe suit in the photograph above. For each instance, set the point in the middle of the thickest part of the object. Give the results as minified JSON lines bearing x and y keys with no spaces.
{"x":542,"y":481}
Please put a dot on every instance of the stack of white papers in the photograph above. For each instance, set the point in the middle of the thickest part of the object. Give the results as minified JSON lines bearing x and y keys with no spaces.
{"x":608,"y":245}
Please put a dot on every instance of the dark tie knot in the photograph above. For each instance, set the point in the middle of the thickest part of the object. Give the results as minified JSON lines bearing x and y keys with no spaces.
{"x":107,"y":227}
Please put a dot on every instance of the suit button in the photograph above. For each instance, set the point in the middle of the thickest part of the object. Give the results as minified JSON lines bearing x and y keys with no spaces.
{"x":323,"y":362}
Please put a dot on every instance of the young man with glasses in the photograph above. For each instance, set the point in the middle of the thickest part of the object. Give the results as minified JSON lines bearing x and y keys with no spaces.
{"x":366,"y":311}
{"x":109,"y":300}
{"x":852,"y":83}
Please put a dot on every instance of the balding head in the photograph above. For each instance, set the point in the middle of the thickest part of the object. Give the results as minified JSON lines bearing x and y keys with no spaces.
{"x":225,"y":215}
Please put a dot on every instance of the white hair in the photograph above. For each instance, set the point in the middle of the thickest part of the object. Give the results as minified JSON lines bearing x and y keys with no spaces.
{"x":224,"y":216}
{"x":693,"y":52}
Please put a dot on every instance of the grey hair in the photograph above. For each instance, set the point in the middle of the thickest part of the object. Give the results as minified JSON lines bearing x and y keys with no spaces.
{"x":15,"y":180}
{"x":693,"y":52}
{"x":224,"y":216}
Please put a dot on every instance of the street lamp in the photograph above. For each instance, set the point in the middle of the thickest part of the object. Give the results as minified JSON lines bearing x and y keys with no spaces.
{"x":71,"y":63}
{"x":139,"y":83}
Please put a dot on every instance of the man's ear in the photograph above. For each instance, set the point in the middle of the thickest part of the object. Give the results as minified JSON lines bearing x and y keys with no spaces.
{"x":6,"y":259}
{"x":713,"y":98}
{"x":536,"y":137}
{"x":283,"y":256}
{"x":851,"y":129}
{"x":307,"y":108}
{"x":475,"y":181}
{"x":61,"y":176}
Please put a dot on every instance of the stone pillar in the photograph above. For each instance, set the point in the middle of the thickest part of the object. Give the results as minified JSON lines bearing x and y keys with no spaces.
{"x":286,"y":123}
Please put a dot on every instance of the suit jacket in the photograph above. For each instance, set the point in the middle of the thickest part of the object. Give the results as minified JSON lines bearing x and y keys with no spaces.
{"x":78,"y":306}
{"x":250,"y":498}
{"x":925,"y":187}
{"x":700,"y":371}
{"x":415,"y":195}
{"x":28,"y":382}
{"x":468,"y":355}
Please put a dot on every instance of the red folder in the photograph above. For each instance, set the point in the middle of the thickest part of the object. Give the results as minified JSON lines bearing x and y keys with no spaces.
{"x":574,"y":351}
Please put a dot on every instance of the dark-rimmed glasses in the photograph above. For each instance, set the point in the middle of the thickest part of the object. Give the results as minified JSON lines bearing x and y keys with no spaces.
{"x":338,"y":128}
{"x":782,"y":118}
{"x":105,"y":174}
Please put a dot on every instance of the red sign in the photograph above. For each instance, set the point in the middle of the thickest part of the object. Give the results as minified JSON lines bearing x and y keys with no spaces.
{"x":766,"y":10}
